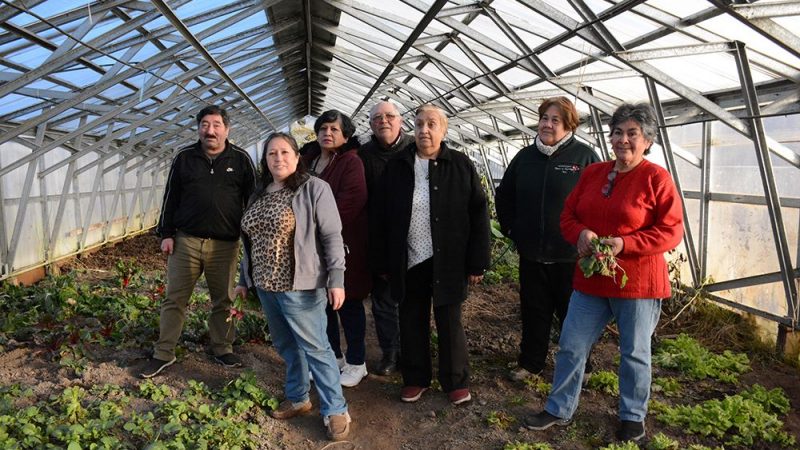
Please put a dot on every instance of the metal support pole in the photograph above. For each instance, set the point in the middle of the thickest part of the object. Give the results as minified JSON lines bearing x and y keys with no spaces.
{"x":21,"y":210}
{"x":767,"y":178}
{"x":96,"y":187}
{"x":525,"y":138}
{"x":705,"y":198}
{"x":62,"y":203}
{"x":666,"y":146}
{"x":597,"y":125}
{"x":46,"y":232}
{"x":4,"y":268}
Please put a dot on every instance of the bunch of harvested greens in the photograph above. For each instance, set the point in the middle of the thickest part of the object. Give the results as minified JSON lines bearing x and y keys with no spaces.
{"x":602,"y":261}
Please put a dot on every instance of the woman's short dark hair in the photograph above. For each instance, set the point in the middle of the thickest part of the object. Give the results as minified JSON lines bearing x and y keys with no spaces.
{"x":332,"y":115}
{"x":641,"y":113}
{"x":294,"y":180}
{"x":568,"y":112}
{"x":216,"y":111}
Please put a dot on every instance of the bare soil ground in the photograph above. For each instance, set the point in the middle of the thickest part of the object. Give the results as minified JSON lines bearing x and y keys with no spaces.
{"x":380,"y":420}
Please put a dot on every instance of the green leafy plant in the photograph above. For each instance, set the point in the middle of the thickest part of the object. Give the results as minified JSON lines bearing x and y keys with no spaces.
{"x":517,"y":445}
{"x":687,"y":355}
{"x":604,"y":381}
{"x":500,"y":419}
{"x":516,"y":400}
{"x":504,"y":265}
{"x":736,"y":419}
{"x":668,"y":386}
{"x":154,"y":392}
{"x":773,"y":401}
{"x":661,"y":441}
{"x":538,"y":385}
{"x":621,"y":446}
{"x":603,"y":261}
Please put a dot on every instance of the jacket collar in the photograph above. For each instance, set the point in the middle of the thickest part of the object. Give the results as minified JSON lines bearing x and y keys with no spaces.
{"x":312,"y":149}
{"x":398,"y":144}
{"x":445,"y":153}
{"x":198,"y":149}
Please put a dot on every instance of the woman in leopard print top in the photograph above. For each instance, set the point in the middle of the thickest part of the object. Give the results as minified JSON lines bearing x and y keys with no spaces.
{"x":293,"y":251}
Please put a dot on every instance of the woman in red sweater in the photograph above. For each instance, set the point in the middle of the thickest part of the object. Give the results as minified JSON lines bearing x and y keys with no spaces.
{"x":632,"y":206}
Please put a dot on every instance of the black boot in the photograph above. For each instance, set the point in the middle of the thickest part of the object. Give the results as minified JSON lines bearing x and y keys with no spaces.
{"x":388,"y":364}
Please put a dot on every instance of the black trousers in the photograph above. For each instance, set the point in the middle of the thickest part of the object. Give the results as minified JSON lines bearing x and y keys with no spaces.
{"x":415,"y":334}
{"x":386,"y":313}
{"x":354,"y":323}
{"x":544,"y":289}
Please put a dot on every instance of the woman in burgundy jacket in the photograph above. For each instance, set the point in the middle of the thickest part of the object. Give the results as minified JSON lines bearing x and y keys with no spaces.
{"x":333,"y":157}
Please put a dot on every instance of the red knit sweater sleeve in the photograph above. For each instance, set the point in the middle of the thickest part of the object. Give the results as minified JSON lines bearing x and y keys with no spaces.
{"x":666,"y":231}
{"x":571,"y":226}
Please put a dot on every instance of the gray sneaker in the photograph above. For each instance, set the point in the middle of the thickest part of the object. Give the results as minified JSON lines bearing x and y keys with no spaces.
{"x":522,"y":374}
{"x":155,"y":366}
{"x":545,"y":420}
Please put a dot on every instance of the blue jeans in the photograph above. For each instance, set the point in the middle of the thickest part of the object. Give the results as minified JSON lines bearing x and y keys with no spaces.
{"x":586,"y":317}
{"x":297,"y":324}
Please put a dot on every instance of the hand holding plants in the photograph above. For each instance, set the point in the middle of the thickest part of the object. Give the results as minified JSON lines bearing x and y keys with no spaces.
{"x":602,"y":258}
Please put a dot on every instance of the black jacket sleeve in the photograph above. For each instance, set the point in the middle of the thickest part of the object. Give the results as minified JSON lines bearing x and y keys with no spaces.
{"x":172,"y":194}
{"x":250,"y":180}
{"x":505,"y":198}
{"x":478,"y":258}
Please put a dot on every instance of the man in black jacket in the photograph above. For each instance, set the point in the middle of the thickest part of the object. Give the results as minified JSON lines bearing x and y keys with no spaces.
{"x":206,"y":192}
{"x":387,"y":139}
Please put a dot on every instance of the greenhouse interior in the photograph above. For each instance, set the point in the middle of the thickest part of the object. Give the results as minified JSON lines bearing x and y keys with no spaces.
{"x":97,"y":97}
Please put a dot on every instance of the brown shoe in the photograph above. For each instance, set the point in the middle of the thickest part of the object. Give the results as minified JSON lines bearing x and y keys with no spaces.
{"x":288,"y":409}
{"x":338,"y":426}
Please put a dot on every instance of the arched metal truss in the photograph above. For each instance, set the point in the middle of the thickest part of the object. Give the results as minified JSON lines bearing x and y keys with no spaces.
{"x":96,"y":96}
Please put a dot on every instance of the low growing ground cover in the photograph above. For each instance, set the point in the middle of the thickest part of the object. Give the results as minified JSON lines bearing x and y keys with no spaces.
{"x":70,"y":345}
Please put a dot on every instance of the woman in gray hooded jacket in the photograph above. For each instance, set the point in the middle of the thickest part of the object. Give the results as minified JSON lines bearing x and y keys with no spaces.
{"x":293,"y":252}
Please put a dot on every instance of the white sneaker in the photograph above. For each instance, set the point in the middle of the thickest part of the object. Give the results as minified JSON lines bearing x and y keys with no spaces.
{"x":339,"y":362}
{"x":352,"y":375}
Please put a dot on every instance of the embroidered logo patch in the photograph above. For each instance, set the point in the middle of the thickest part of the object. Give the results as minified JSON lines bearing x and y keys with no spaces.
{"x":568,"y":168}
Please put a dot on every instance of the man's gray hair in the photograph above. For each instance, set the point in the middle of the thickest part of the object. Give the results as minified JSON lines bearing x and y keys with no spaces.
{"x":375,"y":106}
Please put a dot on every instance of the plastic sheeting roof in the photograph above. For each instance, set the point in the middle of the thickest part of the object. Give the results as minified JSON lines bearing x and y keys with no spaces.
{"x":126,"y":76}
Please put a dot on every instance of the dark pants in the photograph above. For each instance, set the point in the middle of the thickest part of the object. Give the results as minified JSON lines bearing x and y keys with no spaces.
{"x":415,"y":334}
{"x":385,"y":311}
{"x":354,"y":322}
{"x":544,"y":289}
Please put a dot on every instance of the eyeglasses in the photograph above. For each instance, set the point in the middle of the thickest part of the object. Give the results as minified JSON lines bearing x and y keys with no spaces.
{"x":606,"y":191}
{"x":378,"y":118}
